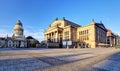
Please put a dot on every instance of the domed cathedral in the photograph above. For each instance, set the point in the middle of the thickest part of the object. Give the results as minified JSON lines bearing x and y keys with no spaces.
{"x":18,"y":39}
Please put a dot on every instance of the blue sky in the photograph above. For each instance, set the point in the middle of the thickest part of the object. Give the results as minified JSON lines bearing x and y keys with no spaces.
{"x":36,"y":15}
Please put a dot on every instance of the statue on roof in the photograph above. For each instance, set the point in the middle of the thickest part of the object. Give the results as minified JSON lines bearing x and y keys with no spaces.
{"x":93,"y":22}
{"x":63,"y":18}
{"x":100,"y":22}
{"x":56,"y":18}
{"x":19,"y":23}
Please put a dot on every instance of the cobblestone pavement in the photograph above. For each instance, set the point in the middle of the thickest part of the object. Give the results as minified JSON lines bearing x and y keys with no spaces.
{"x":110,"y":64}
{"x":98,"y":59}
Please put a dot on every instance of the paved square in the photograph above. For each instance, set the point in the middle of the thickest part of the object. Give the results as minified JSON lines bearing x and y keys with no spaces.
{"x":60,"y":59}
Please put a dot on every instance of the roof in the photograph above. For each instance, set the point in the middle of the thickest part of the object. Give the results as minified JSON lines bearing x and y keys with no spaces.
{"x":29,"y":37}
{"x":72,"y":23}
{"x":19,"y":23}
{"x":100,"y":25}
{"x":2,"y":38}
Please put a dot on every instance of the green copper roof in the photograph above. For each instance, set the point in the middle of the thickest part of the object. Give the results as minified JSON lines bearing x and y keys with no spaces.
{"x":18,"y":23}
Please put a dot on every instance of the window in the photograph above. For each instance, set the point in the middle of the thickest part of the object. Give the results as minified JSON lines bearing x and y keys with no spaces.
{"x":87,"y":37}
{"x":66,"y":35}
{"x":87,"y":31}
{"x":83,"y":35}
{"x":59,"y":24}
{"x":83,"y":32}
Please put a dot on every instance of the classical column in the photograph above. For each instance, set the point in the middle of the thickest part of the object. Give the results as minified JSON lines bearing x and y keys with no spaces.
{"x":70,"y":32}
{"x":46,"y":38}
{"x":50,"y":37}
{"x":53,"y":36}
{"x":56,"y":36}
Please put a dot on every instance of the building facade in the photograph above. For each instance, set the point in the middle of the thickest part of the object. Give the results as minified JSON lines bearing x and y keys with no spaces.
{"x":92,"y":35}
{"x":112,"y":38}
{"x":32,"y":42}
{"x":65,"y":31}
{"x":18,"y":39}
{"x":2,"y":42}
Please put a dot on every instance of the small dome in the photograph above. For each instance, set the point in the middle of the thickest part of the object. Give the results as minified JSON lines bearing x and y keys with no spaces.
{"x":19,"y":23}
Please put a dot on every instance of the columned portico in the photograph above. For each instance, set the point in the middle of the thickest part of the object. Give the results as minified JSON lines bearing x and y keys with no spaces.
{"x":52,"y":36}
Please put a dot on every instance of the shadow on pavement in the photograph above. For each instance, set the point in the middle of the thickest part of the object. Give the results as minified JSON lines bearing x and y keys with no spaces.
{"x":111,"y":63}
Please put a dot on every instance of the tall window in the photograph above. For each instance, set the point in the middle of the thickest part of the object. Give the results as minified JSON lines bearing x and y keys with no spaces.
{"x":66,"y":35}
{"x":84,"y":35}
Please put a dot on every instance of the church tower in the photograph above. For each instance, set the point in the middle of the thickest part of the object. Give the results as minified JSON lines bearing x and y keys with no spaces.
{"x":18,"y":29}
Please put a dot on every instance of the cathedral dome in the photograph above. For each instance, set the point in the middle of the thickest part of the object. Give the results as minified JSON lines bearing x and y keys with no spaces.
{"x":18,"y":25}
{"x":18,"y":29}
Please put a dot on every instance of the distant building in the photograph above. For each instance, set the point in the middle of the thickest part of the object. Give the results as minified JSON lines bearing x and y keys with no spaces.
{"x":18,"y":39}
{"x":2,"y":42}
{"x":32,"y":42}
{"x":112,"y":38}
{"x":64,"y":32}
{"x":117,"y":39}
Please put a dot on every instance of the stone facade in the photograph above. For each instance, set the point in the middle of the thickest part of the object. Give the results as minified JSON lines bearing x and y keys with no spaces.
{"x":18,"y":39}
{"x":112,"y":38}
{"x":90,"y":36}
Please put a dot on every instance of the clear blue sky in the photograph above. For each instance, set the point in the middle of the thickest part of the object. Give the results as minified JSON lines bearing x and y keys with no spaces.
{"x":36,"y":15}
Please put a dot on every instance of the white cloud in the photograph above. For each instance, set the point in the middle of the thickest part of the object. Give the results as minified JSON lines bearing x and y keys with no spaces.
{"x":38,"y":34}
{"x":5,"y":32}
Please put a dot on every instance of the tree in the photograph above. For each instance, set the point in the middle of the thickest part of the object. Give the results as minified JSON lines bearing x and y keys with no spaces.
{"x":42,"y":42}
{"x":33,"y":44}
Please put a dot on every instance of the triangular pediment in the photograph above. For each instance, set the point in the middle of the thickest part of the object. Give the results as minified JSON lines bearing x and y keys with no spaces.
{"x":57,"y":23}
{"x":102,"y":26}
